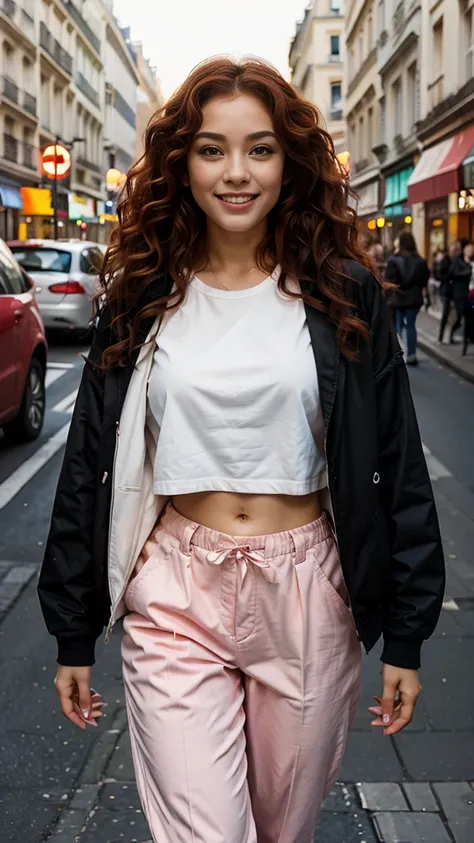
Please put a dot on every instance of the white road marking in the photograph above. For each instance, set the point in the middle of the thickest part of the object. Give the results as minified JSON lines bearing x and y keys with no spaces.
{"x":435,"y":467}
{"x":67,"y":403}
{"x":52,"y":365}
{"x":450,"y":605}
{"x":10,"y":487}
{"x":52,"y":375}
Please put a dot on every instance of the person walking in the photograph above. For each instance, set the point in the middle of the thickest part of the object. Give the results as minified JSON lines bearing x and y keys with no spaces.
{"x":243,"y":481}
{"x":459,"y":275}
{"x":446,"y":288}
{"x":410,"y":272}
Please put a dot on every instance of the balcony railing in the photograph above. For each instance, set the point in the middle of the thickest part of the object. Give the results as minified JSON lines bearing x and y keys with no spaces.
{"x":87,"y":89}
{"x":334,"y":58}
{"x":82,"y":161}
{"x":83,"y":25}
{"x":360,"y":165}
{"x":335,"y":114}
{"x":10,"y":148}
{"x":29,"y":156}
{"x":29,"y":103}
{"x":365,"y":66}
{"x":28,"y":25}
{"x":53,"y":47}
{"x":10,"y":89}
{"x":8,"y":6}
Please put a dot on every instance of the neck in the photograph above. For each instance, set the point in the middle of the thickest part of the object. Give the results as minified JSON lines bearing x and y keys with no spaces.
{"x":232,"y":253}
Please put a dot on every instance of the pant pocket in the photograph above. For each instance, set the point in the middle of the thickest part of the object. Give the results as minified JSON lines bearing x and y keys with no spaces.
{"x":328,"y":569}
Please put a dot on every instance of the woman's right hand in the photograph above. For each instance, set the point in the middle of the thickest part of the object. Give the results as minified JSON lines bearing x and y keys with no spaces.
{"x":79,"y":703}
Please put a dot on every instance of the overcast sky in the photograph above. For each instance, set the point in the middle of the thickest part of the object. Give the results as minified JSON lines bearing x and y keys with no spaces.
{"x":178,"y":34}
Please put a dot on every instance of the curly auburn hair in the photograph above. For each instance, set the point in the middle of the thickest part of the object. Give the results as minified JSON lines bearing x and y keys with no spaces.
{"x":311,"y":230}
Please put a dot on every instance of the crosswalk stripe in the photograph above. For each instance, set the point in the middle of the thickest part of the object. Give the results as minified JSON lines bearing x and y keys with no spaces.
{"x":66,"y":405}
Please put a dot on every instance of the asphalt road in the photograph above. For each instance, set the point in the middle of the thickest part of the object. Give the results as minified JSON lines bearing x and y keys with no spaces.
{"x":52,"y":778}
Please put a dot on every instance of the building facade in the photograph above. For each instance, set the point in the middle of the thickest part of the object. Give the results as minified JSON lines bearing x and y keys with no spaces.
{"x":69,"y":75}
{"x":149,"y":95}
{"x":316,"y":60}
{"x":363,"y":108}
{"x":19,"y":108}
{"x":441,"y":189}
{"x":410,"y":114}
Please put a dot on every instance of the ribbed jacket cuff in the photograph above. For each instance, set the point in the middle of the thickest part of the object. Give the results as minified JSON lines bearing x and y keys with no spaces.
{"x":402,"y":652}
{"x":76,"y":652}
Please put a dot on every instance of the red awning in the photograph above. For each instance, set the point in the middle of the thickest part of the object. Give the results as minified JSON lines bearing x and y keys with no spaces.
{"x":437,"y":172}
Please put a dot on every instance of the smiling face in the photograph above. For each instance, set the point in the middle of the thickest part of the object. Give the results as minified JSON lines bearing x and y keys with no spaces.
{"x":235,"y":152}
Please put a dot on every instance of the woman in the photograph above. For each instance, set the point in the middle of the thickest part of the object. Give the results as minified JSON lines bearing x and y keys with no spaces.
{"x":459,"y":276}
{"x":247,"y":487}
{"x":409,"y":271}
{"x":446,"y":287}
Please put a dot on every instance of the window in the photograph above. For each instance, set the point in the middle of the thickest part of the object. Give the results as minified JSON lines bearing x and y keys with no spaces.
{"x":437,"y":56}
{"x":412,"y":94}
{"x":370,"y":132}
{"x":91,"y":261}
{"x":13,"y":279}
{"x":381,"y":16}
{"x":397,"y":107}
{"x":336,"y":98}
{"x":334,"y":47}
{"x":38,"y":259}
{"x":469,"y":41}
{"x":335,"y":6}
{"x":382,"y":120}
{"x":361,"y":139}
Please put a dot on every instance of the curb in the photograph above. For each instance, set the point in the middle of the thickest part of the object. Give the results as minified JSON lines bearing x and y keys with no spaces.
{"x":433,"y":351}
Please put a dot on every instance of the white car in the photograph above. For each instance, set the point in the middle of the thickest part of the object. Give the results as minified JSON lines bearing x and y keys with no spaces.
{"x":65,"y":273}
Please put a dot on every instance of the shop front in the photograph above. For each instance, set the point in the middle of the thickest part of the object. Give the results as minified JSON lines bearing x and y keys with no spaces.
{"x":436,"y":226}
{"x":36,"y":219}
{"x":10,"y":206}
{"x":436,"y":183}
{"x":397,"y":210}
{"x":367,"y":208}
{"x":466,"y":197}
{"x":83,"y":220}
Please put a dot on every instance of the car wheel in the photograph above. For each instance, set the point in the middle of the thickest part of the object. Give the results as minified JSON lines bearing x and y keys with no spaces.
{"x":29,"y":422}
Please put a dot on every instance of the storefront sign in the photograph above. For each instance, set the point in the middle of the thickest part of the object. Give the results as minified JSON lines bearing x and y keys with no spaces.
{"x":36,"y":201}
{"x":368,"y":199}
{"x":81,"y":208}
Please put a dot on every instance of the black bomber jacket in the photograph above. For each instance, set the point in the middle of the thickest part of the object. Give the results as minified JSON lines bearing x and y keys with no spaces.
{"x":384,"y":513}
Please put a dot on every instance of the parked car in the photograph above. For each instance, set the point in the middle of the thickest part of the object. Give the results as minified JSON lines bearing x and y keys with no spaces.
{"x":66,"y":277}
{"x":23,"y":352}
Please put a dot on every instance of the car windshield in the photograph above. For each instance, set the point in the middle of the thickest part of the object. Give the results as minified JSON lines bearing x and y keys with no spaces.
{"x":41,"y":259}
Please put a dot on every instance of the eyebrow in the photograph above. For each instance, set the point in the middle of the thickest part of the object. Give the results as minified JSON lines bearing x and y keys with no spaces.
{"x":253,"y":136}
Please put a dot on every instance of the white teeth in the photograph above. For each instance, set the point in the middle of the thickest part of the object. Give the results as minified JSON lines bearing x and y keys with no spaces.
{"x":236,"y":200}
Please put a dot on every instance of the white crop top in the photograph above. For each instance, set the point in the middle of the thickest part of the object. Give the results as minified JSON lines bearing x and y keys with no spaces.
{"x":233,"y":399}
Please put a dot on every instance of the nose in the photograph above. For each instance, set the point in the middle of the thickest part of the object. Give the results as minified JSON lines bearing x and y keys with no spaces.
{"x":237,"y":171}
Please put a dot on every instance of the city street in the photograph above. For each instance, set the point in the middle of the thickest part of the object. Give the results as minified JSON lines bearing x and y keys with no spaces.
{"x":60,"y":784}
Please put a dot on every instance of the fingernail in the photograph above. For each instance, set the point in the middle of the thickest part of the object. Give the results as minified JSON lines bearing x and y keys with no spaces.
{"x":386,"y":719}
{"x":85,"y":712}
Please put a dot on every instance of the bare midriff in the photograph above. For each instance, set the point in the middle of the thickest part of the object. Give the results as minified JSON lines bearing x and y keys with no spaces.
{"x":238,"y":514}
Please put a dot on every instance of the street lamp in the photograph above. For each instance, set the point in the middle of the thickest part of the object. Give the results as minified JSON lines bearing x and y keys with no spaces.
{"x":68,"y":145}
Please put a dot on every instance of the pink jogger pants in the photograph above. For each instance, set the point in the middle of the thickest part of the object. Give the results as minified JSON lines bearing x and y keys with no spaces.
{"x":242,"y":672}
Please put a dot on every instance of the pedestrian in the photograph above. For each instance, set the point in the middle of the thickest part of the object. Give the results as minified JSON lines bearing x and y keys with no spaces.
{"x":243,"y":479}
{"x":446,"y":287}
{"x":409,"y":271}
{"x":460,"y":275}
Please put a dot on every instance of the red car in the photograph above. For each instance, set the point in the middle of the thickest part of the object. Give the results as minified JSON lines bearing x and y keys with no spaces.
{"x":23,"y":352}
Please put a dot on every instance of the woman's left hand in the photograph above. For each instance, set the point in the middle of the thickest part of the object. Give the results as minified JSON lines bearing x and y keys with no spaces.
{"x":395,"y":709}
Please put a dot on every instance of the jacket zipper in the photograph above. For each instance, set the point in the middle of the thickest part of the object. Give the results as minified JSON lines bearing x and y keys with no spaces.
{"x":117,"y":434}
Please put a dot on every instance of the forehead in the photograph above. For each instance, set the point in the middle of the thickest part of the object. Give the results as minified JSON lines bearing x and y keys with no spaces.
{"x":235,"y":114}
